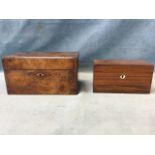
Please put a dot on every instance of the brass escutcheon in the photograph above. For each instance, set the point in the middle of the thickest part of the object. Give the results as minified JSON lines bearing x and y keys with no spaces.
{"x":122,"y":76}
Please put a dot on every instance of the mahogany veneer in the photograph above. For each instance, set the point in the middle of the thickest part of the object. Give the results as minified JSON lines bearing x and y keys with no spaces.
{"x":122,"y":76}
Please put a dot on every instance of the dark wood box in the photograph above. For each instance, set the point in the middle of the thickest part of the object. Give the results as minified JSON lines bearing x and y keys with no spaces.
{"x":122,"y":76}
{"x":41,"y":73}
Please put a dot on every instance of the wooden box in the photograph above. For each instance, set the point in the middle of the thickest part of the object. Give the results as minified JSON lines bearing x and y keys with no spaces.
{"x":41,"y":73}
{"x":122,"y":76}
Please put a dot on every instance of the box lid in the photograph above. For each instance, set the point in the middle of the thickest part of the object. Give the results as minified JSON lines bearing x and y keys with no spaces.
{"x":41,"y":60}
{"x":121,"y":62}
{"x":134,"y":64}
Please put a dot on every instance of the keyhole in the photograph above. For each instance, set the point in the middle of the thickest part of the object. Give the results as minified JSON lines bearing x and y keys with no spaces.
{"x":122,"y":76}
{"x":40,"y":74}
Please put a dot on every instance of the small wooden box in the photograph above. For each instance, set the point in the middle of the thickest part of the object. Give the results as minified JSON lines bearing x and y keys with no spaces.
{"x":41,"y":73}
{"x":122,"y":76}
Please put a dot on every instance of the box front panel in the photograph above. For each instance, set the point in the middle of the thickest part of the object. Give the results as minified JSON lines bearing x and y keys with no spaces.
{"x":125,"y":79}
{"x":41,"y":81}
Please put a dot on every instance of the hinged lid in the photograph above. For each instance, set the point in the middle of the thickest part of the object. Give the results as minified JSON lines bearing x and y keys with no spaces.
{"x":41,"y":60}
{"x":122,"y":62}
{"x":132,"y":64}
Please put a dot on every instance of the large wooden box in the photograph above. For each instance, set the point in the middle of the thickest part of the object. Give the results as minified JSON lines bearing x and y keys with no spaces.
{"x":122,"y":76}
{"x":41,"y":73}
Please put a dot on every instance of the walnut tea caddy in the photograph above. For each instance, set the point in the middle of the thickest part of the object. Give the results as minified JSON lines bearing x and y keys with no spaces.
{"x":41,"y":73}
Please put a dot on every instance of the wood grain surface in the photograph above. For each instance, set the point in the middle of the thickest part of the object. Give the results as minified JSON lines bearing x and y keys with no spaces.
{"x":122,"y":76}
{"x":41,"y":73}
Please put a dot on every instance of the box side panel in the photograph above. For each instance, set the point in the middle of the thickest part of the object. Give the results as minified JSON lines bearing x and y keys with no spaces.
{"x":41,"y":81}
